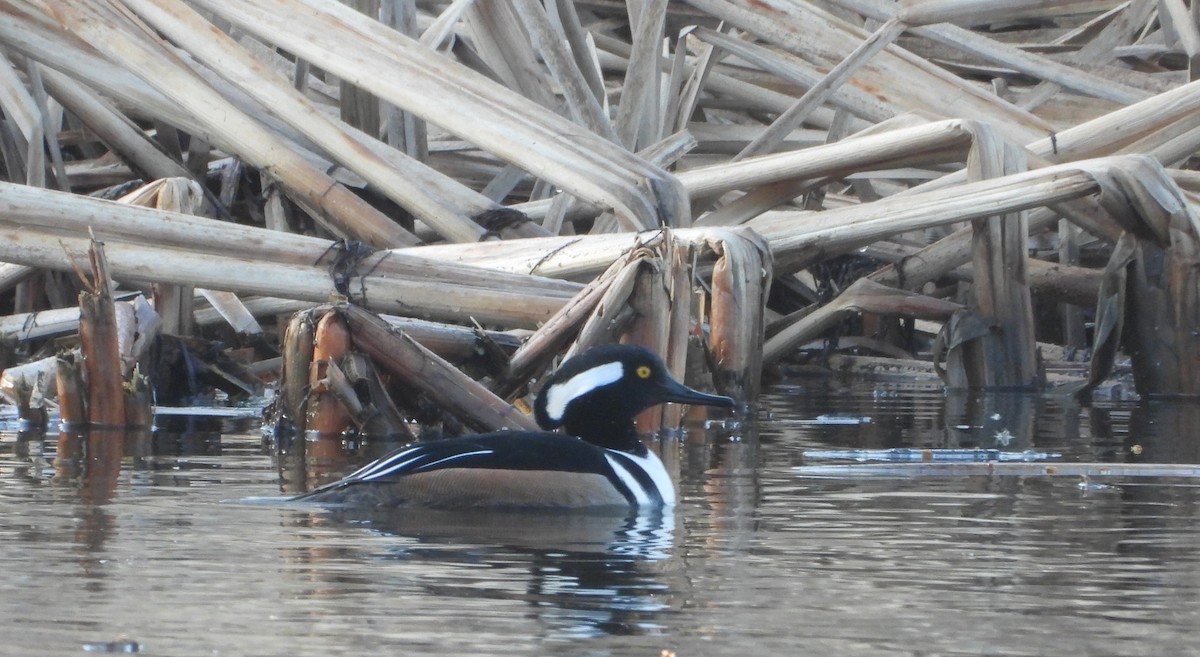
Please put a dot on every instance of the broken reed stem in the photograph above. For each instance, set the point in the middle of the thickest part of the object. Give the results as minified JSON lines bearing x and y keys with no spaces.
{"x":863,"y":296}
{"x":420,"y":368}
{"x":291,"y":406}
{"x":1163,"y":302}
{"x":326,"y":415}
{"x":101,"y":350}
{"x":613,"y":315}
{"x":740,"y":282}
{"x":72,"y":410}
{"x":649,"y":324}
{"x":139,"y":402}
{"x":683,"y":316}
{"x":536,"y":352}
{"x":820,"y":92}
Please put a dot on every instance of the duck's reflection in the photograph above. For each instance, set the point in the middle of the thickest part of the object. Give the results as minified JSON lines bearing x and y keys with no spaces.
{"x":581,"y":574}
{"x":645,"y":534}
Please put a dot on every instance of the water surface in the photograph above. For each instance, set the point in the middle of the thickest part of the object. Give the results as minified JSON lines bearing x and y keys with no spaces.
{"x":141,"y":543}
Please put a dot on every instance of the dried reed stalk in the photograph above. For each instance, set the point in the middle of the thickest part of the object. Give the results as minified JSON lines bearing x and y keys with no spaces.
{"x":429,"y":300}
{"x":71,"y":214}
{"x":821,"y":128}
{"x":430,"y":196}
{"x":360,"y":50}
{"x":342,"y":212}
{"x":1005,"y":357}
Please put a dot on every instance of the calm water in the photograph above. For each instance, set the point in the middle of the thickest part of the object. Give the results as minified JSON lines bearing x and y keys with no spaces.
{"x":147,"y":552}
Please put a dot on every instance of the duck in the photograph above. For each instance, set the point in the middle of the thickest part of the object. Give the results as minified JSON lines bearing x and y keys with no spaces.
{"x":596,"y":461}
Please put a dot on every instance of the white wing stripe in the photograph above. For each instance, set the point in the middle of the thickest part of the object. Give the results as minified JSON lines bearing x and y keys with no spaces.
{"x":367,"y":470}
{"x":455,"y":456}
{"x":376,"y":472}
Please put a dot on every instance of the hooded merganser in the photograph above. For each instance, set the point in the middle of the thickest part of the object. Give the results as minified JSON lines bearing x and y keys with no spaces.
{"x":600,"y":463}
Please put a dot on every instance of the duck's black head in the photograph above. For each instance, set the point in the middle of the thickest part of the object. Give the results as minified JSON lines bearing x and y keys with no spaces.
{"x":597,"y":394}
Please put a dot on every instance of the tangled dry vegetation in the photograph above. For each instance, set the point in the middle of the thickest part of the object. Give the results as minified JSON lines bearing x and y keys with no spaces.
{"x":985,"y":189}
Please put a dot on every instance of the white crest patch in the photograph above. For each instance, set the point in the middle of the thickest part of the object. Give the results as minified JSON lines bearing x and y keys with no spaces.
{"x":561,"y":394}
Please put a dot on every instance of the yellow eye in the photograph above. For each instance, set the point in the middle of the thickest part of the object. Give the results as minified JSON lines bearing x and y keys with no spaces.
{"x":643,"y":371}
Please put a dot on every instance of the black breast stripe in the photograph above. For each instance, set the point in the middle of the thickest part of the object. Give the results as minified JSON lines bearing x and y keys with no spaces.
{"x":642,"y":477}
{"x":619,"y":484}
